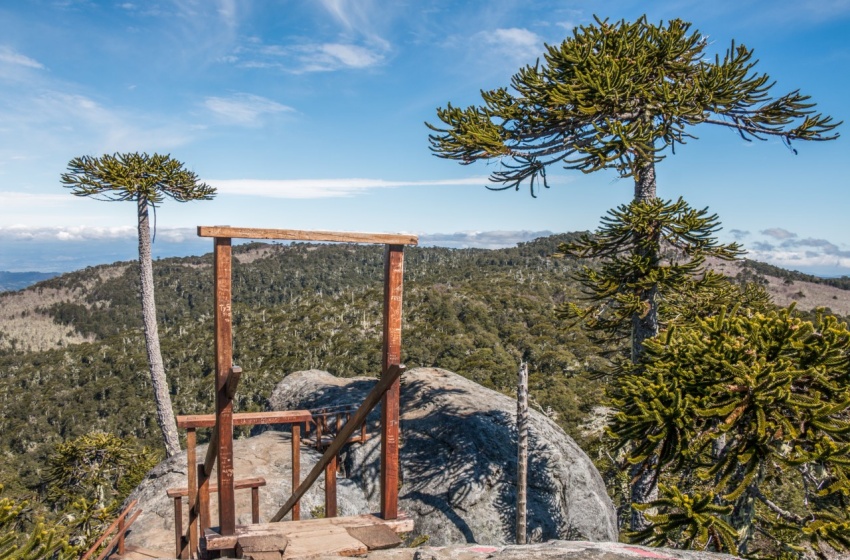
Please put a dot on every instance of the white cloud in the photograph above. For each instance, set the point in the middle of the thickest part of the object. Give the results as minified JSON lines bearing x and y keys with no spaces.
{"x":90,"y":233}
{"x":323,"y":188}
{"x":244,"y":108}
{"x":338,"y":54}
{"x":9,"y":200}
{"x":9,"y":55}
{"x":480,"y":239}
{"x":515,"y":42}
{"x":778,"y":233}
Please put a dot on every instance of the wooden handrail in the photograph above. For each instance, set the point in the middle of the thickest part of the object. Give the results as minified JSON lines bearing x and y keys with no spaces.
{"x":111,"y":528}
{"x":246,"y":418}
{"x":371,"y":400}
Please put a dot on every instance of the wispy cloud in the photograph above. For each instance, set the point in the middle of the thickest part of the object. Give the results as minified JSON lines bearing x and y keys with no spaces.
{"x":514,"y":42}
{"x":323,"y":188}
{"x":738,"y":234}
{"x":308,"y":57}
{"x":244,"y":109}
{"x":481,"y":239}
{"x":8,"y":55}
{"x":778,"y":233}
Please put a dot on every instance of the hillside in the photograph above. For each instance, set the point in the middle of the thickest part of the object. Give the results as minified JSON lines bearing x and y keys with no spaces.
{"x":72,"y":356}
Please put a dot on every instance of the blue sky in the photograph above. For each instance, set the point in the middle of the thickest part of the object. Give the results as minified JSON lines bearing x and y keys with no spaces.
{"x":310,"y":115}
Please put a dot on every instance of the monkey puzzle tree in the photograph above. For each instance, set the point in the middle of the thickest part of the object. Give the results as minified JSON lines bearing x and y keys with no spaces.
{"x":146,"y":180}
{"x":748,"y":413}
{"x":618,"y":96}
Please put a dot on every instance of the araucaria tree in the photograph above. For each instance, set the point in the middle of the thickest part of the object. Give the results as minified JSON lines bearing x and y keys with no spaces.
{"x":145,"y":180}
{"x":619,"y":96}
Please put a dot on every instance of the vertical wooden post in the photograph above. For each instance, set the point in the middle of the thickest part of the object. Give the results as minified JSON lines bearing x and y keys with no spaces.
{"x":178,"y":526}
{"x":191,"y":461}
{"x":223,"y":403}
{"x":391,"y":355}
{"x":203,"y":500}
{"x":255,"y":505}
{"x":330,"y":488}
{"x":296,"y":468}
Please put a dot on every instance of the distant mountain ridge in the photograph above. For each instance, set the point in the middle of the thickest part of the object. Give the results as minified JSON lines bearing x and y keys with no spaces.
{"x":13,"y":281}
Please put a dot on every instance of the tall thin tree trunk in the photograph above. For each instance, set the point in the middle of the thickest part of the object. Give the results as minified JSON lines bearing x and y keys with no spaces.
{"x":164,"y":412}
{"x":522,"y":453}
{"x":644,"y":486}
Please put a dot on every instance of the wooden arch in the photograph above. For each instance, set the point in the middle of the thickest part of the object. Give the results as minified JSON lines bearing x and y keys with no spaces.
{"x":390,"y":354}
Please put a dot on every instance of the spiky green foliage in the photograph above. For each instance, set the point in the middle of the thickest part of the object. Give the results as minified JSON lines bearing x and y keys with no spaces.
{"x":749,"y":404}
{"x":22,"y":540}
{"x":648,"y":253}
{"x":134,"y":176}
{"x":618,"y":95}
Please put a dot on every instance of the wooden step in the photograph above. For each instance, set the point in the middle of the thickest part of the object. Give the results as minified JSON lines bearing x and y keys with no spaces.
{"x":344,"y":536}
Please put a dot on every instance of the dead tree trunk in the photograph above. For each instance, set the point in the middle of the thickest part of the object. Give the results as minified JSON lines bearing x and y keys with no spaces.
{"x":522,"y":453}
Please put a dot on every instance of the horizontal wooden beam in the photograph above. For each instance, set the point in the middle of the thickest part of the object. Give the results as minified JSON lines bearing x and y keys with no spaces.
{"x":242,"y":484}
{"x":302,"y":235}
{"x":246,"y":418}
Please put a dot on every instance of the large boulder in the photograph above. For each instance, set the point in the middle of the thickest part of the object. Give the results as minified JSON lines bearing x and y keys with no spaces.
{"x":267,"y":455}
{"x":458,"y":460}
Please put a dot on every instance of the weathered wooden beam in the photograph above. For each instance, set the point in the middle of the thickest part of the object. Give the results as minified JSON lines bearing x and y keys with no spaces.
{"x":330,"y":488}
{"x":193,"y":421}
{"x":371,"y":400}
{"x":223,"y":403}
{"x":233,"y":381}
{"x":391,"y":356}
{"x":302,"y":235}
{"x":242,"y":484}
{"x":191,"y":461}
{"x":296,"y":467}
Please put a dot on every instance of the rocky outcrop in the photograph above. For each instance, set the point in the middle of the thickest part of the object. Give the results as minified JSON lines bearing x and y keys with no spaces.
{"x":267,"y":455}
{"x":458,"y":460}
{"x":552,"y":550}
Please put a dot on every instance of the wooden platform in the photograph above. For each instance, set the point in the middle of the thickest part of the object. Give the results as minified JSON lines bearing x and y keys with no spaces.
{"x":344,"y":536}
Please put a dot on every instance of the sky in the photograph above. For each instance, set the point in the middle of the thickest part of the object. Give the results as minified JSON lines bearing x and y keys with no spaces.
{"x":310,"y":115}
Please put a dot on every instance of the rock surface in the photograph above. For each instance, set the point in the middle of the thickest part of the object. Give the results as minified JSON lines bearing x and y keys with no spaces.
{"x":458,"y":460}
{"x":552,"y":550}
{"x":267,"y":455}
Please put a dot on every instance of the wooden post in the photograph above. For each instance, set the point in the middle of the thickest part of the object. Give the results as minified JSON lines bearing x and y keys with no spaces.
{"x":330,"y":488}
{"x":178,"y":526}
{"x":391,"y":356}
{"x":203,"y":500}
{"x":522,"y":452}
{"x":255,"y":504}
{"x":191,"y":461}
{"x":296,"y":467}
{"x":224,"y":403}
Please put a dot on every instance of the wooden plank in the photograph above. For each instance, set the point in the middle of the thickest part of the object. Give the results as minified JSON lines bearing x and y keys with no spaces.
{"x":223,"y":403}
{"x":241,"y":484}
{"x":106,"y":551}
{"x":341,"y":439}
{"x":304,"y":235}
{"x":375,"y":537}
{"x":296,"y":467}
{"x":233,"y":381}
{"x":390,"y":356}
{"x":192,"y":421}
{"x":215,"y":541}
{"x":333,"y":540}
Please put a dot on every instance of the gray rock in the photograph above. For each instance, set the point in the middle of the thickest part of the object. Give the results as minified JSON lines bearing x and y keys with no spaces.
{"x":267,"y":455}
{"x":458,"y":460}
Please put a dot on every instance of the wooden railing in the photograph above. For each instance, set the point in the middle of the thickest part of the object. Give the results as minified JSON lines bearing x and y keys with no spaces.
{"x":328,"y":461}
{"x":199,"y":488}
{"x":122,"y":524}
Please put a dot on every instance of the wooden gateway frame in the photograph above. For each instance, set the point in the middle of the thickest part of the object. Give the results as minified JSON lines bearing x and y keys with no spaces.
{"x":220,"y":449}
